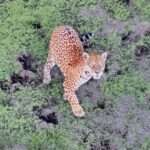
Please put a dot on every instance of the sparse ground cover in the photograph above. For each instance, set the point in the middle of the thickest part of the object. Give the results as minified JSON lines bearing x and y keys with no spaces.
{"x":34,"y":116}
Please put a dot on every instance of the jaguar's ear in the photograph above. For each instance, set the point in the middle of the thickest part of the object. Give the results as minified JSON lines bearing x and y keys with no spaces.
{"x":104,"y":56}
{"x":85,"y":56}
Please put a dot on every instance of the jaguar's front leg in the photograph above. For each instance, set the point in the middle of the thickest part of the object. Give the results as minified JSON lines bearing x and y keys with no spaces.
{"x":70,"y":96}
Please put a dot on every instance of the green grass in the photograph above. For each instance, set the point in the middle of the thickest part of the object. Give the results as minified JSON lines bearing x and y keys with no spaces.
{"x":127,"y":84}
{"x":116,"y":8}
{"x":18,"y":124}
{"x":20,"y":129}
{"x":142,"y":8}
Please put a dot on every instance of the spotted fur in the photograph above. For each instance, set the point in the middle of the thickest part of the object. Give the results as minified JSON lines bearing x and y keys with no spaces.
{"x":66,"y":51}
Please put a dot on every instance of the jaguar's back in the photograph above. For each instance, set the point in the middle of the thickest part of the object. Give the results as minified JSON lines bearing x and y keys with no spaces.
{"x":65,"y":46}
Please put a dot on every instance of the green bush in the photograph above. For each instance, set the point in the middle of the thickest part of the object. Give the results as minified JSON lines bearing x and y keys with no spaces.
{"x":116,"y":8}
{"x":126,"y":84}
{"x":142,"y":7}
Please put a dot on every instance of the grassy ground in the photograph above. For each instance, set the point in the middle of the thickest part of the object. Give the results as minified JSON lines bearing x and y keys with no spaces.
{"x":117,"y":107}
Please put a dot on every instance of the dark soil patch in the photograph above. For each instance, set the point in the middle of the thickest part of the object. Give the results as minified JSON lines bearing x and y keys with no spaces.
{"x":126,"y":37}
{"x":36,"y":25}
{"x":103,"y":145}
{"x":24,"y":77}
{"x":49,"y":118}
{"x":9,"y":87}
{"x":46,"y":114}
{"x":27,"y":61}
{"x":147,"y":33}
{"x":106,"y":68}
{"x":4,"y":85}
{"x":142,"y":61}
{"x":142,"y":50}
{"x":15,"y":78}
{"x":101,"y":105}
{"x":39,"y":29}
{"x":127,"y":2}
